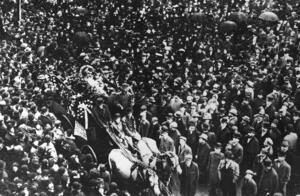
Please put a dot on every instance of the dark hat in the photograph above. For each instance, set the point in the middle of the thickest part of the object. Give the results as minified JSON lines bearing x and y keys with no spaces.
{"x":237,"y":135}
{"x":117,"y":115}
{"x":182,"y":138}
{"x":76,"y":185}
{"x":267,"y":162}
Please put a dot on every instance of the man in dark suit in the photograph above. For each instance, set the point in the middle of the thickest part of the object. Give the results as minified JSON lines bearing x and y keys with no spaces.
{"x":189,"y":177}
{"x":268,"y":182}
{"x":183,"y":149}
{"x":283,"y":170}
{"x":202,"y":157}
{"x":213,"y":177}
{"x":249,"y":186}
{"x":251,"y":149}
{"x":144,"y":125}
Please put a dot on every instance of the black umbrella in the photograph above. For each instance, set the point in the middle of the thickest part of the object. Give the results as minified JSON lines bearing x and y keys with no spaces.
{"x":238,"y":17}
{"x":228,"y":26}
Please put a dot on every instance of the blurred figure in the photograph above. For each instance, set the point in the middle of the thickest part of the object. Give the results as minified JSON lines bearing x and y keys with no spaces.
{"x":213,"y":177}
{"x":249,"y":187}
{"x":189,"y":177}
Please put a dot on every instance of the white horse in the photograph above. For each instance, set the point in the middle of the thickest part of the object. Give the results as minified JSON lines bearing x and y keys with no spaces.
{"x":128,"y":173}
{"x":148,"y":151}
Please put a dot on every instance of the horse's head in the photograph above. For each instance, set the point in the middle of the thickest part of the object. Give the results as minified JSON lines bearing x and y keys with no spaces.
{"x":172,"y":161}
{"x":153,"y":181}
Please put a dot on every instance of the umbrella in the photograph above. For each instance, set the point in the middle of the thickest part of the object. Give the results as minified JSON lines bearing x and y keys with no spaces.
{"x":238,"y":17}
{"x":82,"y":38}
{"x":80,"y":11}
{"x":228,"y":26}
{"x":268,"y":16}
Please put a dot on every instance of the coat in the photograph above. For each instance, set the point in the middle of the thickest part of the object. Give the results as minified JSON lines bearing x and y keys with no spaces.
{"x":268,"y":182}
{"x":214,"y":161}
{"x":144,"y":128}
{"x":238,"y":153}
{"x":249,"y":187}
{"x":202,"y":154}
{"x":189,"y":179}
{"x":166,"y":144}
{"x":183,"y":151}
{"x":284,"y":172}
{"x":251,"y":149}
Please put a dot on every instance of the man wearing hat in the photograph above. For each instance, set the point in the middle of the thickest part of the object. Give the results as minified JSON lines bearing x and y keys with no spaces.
{"x":183,"y":149}
{"x":144,"y":125}
{"x":283,"y":170}
{"x":245,"y":125}
{"x":189,"y":176}
{"x":166,"y":142}
{"x":249,"y":186}
{"x":268,"y":182}
{"x":251,"y":148}
{"x":202,"y":157}
{"x":229,"y":172}
{"x":236,"y":148}
{"x":214,"y":160}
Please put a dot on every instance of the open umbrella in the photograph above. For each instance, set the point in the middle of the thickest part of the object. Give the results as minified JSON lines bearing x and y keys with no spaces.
{"x":268,"y":16}
{"x":228,"y":26}
{"x":238,"y":17}
{"x":82,"y":38}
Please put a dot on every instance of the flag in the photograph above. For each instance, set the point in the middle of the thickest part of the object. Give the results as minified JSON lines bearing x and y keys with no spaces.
{"x":79,"y":130}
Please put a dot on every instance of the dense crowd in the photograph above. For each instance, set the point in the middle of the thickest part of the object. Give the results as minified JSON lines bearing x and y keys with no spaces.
{"x":227,"y":103}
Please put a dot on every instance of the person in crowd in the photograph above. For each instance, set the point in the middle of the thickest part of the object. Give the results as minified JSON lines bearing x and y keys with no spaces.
{"x":251,"y":148}
{"x":189,"y":177}
{"x":213,"y":177}
{"x":268,"y":182}
{"x":236,"y":148}
{"x":229,"y":172}
{"x":202,"y":157}
{"x":249,"y":186}
{"x":283,"y":170}
{"x":166,"y":142}
{"x":183,"y":149}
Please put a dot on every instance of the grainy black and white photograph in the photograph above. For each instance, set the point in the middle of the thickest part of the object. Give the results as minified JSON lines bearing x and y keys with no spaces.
{"x":149,"y":97}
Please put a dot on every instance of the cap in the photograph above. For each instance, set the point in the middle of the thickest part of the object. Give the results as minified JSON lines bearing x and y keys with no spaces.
{"x":117,"y":115}
{"x":204,"y":137}
{"x":143,"y":107}
{"x":233,"y":112}
{"x":188,"y":157}
{"x":248,"y":171}
{"x":182,"y":138}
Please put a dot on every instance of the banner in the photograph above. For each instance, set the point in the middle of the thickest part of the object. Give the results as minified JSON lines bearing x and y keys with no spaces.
{"x":80,"y":131}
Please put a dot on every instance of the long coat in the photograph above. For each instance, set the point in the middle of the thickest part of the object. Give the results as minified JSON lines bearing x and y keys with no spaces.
{"x":268,"y":182}
{"x":202,"y":154}
{"x":189,"y":179}
{"x":183,"y":151}
{"x":249,"y":187}
{"x":214,"y":161}
{"x":284,"y":172}
{"x":251,"y":149}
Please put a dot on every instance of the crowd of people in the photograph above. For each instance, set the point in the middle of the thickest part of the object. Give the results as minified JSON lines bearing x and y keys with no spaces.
{"x":227,"y":103}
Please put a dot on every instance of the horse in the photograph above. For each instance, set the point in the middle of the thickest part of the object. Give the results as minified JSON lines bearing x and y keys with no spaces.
{"x":152,"y":157}
{"x":148,"y":151}
{"x":130,"y":175}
